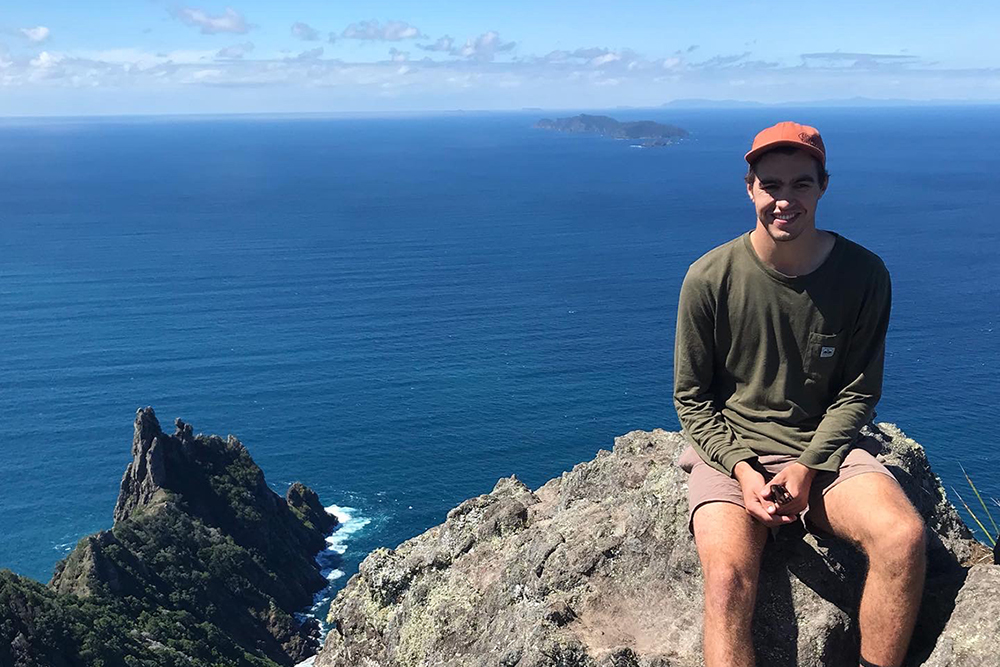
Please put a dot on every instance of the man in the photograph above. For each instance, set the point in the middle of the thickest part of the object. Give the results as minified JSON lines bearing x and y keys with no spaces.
{"x":777,"y":366}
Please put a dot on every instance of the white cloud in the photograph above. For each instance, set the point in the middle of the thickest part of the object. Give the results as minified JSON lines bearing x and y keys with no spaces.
{"x":444,"y":44}
{"x":305,"y":32}
{"x":392,"y":31}
{"x":475,"y":73}
{"x":46,"y":60}
{"x":311,"y":54}
{"x":482,"y":48}
{"x":37,"y":34}
{"x":143,"y":60}
{"x":235,"y":52}
{"x":229,"y":21}
{"x":605,"y":59}
{"x":858,"y":60}
{"x":485,"y":47}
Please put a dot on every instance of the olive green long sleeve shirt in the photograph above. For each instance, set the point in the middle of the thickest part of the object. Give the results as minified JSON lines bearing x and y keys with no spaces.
{"x":766,"y":363}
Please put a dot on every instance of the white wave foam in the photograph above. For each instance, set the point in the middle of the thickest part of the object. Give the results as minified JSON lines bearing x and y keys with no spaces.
{"x":348,"y":526}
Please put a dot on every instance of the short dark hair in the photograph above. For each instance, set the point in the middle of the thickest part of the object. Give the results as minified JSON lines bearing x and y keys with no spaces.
{"x":821,"y":173}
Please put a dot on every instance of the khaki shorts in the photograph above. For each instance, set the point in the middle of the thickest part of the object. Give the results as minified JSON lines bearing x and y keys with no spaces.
{"x":708,"y":485}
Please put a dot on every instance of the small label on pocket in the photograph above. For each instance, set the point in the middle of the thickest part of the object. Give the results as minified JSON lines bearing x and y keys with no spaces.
{"x":826,"y":352}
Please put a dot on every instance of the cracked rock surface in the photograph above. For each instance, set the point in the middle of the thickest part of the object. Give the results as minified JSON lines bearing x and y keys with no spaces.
{"x":596,"y":568}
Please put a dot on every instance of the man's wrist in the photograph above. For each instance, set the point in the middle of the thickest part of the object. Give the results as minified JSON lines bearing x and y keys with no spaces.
{"x":742,"y":469}
{"x":809,"y":473}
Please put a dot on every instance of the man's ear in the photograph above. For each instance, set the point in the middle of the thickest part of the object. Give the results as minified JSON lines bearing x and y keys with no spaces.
{"x":750,"y":188}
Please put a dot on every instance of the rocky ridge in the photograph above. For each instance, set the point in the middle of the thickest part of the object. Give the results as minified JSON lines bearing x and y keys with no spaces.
{"x":204,"y":565}
{"x":597,"y":568}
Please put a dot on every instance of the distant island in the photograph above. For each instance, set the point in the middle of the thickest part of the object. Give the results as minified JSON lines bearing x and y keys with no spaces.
{"x":650,"y":133}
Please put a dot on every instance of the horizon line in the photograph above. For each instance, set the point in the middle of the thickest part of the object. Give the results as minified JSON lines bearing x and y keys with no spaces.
{"x":682,"y":104}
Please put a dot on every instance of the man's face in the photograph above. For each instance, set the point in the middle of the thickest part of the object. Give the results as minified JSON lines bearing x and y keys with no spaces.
{"x":785,"y":194}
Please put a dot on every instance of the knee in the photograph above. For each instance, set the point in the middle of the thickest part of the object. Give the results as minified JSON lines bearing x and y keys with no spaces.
{"x":903,"y":541}
{"x":728,"y":581}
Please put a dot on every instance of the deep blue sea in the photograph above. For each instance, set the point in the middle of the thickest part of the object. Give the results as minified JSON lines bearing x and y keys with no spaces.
{"x":399,"y":312}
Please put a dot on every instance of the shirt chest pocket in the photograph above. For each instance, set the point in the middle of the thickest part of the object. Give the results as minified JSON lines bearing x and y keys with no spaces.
{"x":823,"y":355}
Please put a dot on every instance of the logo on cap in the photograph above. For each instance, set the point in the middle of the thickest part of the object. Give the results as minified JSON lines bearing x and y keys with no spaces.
{"x":812,"y":140}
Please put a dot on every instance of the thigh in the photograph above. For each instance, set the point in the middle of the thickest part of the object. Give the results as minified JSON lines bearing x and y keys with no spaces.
{"x":706,"y":485}
{"x":862,"y":508}
{"x":727,"y":537}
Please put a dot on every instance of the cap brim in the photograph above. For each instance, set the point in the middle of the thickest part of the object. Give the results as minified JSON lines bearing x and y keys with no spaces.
{"x":808,"y":148}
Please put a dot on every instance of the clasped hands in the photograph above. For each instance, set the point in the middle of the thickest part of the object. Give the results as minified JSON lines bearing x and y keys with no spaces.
{"x":762,"y":502}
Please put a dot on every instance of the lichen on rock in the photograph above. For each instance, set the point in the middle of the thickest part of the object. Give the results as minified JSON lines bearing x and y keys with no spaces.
{"x":597,"y":568}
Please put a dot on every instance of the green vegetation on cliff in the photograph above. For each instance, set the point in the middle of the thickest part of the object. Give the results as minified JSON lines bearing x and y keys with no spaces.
{"x":205,"y":565}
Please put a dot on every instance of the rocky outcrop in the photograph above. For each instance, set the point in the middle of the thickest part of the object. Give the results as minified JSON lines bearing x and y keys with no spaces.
{"x":597,"y":568}
{"x":204,"y":564}
{"x":970,"y":637}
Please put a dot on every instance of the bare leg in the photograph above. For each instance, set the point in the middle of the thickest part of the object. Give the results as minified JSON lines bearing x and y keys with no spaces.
{"x":871,"y":511}
{"x":730,"y":543}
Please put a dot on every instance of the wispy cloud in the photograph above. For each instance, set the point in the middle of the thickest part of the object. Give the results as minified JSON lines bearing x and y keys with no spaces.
{"x":442,"y":44}
{"x":596,"y":57}
{"x":483,"y":72}
{"x":483,"y":48}
{"x":305,"y":32}
{"x":37,"y":34}
{"x":858,"y":60}
{"x":722,"y":61}
{"x":235,"y":52}
{"x":230,"y":21}
{"x":391,"y":31}
{"x":310,"y":54}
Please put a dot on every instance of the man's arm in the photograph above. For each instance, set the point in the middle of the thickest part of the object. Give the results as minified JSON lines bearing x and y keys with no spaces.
{"x":854,"y":404}
{"x":694,"y":358}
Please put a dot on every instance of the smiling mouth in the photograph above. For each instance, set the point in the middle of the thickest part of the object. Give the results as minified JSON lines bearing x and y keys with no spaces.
{"x":785,"y":217}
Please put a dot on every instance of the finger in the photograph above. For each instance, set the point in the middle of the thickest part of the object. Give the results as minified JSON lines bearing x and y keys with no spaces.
{"x":769,"y":520}
{"x":797,"y":506}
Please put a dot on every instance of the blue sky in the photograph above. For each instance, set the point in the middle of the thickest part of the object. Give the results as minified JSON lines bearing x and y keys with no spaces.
{"x":67,"y":57}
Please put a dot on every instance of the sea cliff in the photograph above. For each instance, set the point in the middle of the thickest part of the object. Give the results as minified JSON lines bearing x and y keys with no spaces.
{"x":204,"y":565}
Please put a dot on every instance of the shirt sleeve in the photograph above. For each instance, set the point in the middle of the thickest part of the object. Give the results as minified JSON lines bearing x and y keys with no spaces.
{"x":694,"y":359}
{"x":854,"y":405}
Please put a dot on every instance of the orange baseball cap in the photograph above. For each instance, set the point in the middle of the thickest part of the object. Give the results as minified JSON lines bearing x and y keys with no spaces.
{"x":788,"y":133}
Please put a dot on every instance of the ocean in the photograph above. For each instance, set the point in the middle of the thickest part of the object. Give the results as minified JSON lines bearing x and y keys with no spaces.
{"x":400,"y":311}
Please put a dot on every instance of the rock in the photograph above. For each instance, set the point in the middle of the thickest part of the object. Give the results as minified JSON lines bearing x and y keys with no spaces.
{"x":970,"y":637}
{"x":205,"y":564}
{"x":216,"y":482}
{"x":597,"y":568}
{"x":304,"y":502}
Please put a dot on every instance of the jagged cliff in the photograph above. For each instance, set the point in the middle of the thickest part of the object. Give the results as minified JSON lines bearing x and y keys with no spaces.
{"x":204,"y":565}
{"x":596,"y":568}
